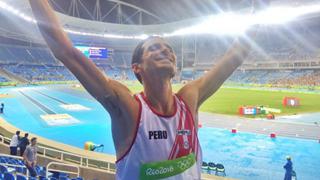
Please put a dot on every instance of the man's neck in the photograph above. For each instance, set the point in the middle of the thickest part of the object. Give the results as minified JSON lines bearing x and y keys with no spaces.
{"x":159,"y":94}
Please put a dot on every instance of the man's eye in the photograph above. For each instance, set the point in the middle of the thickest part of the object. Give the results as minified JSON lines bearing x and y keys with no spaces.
{"x":154,"y":47}
{"x":169,"y":47}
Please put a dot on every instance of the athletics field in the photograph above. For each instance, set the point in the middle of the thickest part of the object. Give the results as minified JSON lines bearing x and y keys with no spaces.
{"x":228,"y":100}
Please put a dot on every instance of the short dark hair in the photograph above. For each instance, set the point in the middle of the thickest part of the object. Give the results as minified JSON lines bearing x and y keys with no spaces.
{"x":26,"y":135}
{"x":17,"y":132}
{"x":33,"y":139}
{"x":137,"y":54}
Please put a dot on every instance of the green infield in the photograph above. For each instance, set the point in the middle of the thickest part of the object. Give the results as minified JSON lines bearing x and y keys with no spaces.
{"x":228,"y":100}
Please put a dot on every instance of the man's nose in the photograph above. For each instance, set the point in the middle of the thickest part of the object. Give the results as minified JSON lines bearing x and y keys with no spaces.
{"x":165,"y":51}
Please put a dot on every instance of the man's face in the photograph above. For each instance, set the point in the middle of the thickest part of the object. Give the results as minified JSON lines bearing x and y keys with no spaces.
{"x":158,"y":57}
{"x":34,"y":142}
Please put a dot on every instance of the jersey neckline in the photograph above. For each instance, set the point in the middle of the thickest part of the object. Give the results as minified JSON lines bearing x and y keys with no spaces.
{"x":158,"y":113}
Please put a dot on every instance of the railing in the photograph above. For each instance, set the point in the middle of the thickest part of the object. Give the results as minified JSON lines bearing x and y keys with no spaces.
{"x":74,"y":158}
{"x":3,"y":140}
{"x":63,"y":171}
{"x":63,"y":156}
{"x":11,"y":156}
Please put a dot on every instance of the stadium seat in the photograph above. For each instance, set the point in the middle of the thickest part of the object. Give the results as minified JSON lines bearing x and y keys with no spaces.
{"x":61,"y":174}
{"x":3,"y":169}
{"x":21,"y":170}
{"x":220,"y":171}
{"x":2,"y":160}
{"x":63,"y":178}
{"x":20,"y":177}
{"x":204,"y":165}
{"x":212,"y":166}
{"x":8,"y":176}
{"x":78,"y":178}
{"x":40,"y":170}
{"x":14,"y":162}
{"x":42,"y":178}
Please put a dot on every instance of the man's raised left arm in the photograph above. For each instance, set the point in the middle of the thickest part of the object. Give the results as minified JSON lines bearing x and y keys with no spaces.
{"x":197,"y":91}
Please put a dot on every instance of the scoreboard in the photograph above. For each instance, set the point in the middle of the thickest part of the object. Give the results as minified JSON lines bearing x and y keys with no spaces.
{"x":94,"y":52}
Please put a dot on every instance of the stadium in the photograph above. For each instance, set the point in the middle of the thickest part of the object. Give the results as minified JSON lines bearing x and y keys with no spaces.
{"x":266,"y":113}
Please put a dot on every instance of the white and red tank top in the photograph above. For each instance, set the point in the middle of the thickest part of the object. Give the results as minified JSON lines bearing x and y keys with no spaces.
{"x":163,"y":145}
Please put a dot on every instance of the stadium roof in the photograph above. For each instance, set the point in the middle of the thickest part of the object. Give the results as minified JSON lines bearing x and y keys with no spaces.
{"x":153,"y":11}
{"x":172,"y":14}
{"x":156,"y":11}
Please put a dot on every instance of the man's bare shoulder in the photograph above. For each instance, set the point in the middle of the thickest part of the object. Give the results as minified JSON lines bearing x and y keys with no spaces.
{"x":190,"y":88}
{"x":189,"y":95}
{"x":122,"y":100}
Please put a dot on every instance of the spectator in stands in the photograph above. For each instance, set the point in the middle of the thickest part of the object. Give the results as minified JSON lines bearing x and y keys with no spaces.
{"x":30,"y":157}
{"x":14,"y":143}
{"x":161,"y":110}
{"x":23,"y":143}
{"x":288,"y":168}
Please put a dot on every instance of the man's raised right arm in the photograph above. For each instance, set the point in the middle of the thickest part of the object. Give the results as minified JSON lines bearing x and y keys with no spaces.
{"x":96,"y":83}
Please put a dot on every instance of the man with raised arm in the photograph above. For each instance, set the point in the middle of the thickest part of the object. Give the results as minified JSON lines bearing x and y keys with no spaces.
{"x":155,"y":131}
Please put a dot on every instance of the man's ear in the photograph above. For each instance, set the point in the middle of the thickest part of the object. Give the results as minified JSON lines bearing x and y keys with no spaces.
{"x":136,"y":68}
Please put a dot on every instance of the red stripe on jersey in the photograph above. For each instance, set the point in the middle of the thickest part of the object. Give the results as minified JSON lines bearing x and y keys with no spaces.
{"x":184,"y":144}
{"x":175,"y":144}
